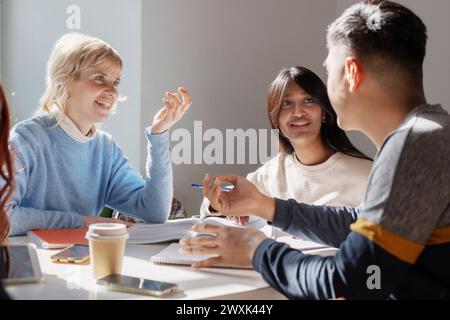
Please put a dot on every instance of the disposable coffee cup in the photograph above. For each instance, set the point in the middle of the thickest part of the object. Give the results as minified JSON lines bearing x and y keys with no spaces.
{"x":106,"y":248}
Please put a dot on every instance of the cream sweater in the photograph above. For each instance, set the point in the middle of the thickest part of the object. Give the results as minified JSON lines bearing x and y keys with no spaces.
{"x":341,"y":180}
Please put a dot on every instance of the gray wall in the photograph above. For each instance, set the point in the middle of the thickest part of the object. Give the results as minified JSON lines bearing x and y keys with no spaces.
{"x":226,"y":53}
{"x":31,"y":27}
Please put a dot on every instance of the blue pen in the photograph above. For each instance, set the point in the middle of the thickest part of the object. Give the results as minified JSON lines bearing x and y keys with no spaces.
{"x":225,"y":188}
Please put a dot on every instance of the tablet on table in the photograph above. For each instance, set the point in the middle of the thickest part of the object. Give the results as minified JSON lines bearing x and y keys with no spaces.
{"x":20,"y":264}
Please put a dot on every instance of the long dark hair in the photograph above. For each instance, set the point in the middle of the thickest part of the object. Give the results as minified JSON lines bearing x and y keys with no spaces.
{"x":332,"y":136}
{"x":6,"y":167}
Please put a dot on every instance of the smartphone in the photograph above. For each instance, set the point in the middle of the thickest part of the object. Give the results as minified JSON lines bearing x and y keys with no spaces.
{"x":118,"y":282}
{"x":77,"y":254}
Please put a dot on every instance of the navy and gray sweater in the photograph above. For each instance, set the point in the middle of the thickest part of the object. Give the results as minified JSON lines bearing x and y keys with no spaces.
{"x":400,"y":234}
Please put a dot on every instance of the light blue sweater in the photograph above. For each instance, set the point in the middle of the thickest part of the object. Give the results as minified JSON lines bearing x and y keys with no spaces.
{"x":59,"y":179}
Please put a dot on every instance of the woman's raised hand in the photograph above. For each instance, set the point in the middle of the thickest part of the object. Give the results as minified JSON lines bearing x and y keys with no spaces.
{"x":176,"y":104}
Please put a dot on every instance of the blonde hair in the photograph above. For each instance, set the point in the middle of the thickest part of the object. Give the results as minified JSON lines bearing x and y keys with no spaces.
{"x":72,"y":54}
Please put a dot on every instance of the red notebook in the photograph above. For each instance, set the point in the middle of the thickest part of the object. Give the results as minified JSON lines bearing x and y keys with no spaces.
{"x":58,"y":238}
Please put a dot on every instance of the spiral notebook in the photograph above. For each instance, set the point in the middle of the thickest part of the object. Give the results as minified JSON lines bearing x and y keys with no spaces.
{"x":171,"y":256}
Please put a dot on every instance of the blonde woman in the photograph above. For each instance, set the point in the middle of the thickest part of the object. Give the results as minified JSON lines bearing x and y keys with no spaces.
{"x":68,"y":169}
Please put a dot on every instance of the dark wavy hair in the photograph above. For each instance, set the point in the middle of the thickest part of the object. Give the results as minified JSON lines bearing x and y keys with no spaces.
{"x":332,"y":136}
{"x":6,"y":167}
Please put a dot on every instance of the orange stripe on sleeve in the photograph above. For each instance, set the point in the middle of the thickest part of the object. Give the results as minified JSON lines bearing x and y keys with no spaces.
{"x":400,"y":247}
{"x":439,"y":236}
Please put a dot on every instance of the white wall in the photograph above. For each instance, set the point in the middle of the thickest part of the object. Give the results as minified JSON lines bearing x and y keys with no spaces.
{"x":226,"y":53}
{"x":30,"y":29}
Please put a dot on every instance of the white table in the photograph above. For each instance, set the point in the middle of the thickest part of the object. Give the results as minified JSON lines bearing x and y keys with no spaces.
{"x":64,"y":281}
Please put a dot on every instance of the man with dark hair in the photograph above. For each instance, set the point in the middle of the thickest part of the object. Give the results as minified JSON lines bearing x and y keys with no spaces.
{"x":395,"y":244}
{"x":387,"y":42}
{"x":387,"y":37}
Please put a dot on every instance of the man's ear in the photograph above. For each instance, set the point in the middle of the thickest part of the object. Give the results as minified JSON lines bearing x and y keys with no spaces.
{"x":353,"y":73}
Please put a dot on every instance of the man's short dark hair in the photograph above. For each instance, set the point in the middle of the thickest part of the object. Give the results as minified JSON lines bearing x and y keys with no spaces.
{"x":384,"y":34}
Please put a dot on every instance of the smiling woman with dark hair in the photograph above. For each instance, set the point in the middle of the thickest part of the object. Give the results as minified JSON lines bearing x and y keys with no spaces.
{"x":317,"y":164}
{"x":300,"y":131}
{"x":6,"y":176}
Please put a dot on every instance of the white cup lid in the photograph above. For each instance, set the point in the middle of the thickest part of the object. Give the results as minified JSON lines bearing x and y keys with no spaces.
{"x":107,"y":231}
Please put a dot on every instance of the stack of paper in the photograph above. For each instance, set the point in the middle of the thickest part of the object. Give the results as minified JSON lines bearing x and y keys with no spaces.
{"x":154,"y":233}
{"x":177,"y":229}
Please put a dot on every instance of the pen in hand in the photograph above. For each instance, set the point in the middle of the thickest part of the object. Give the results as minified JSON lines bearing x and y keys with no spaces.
{"x":225,"y":188}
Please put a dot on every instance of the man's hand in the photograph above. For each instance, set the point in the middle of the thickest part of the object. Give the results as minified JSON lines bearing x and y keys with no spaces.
{"x":241,"y":200}
{"x":233,"y":245}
